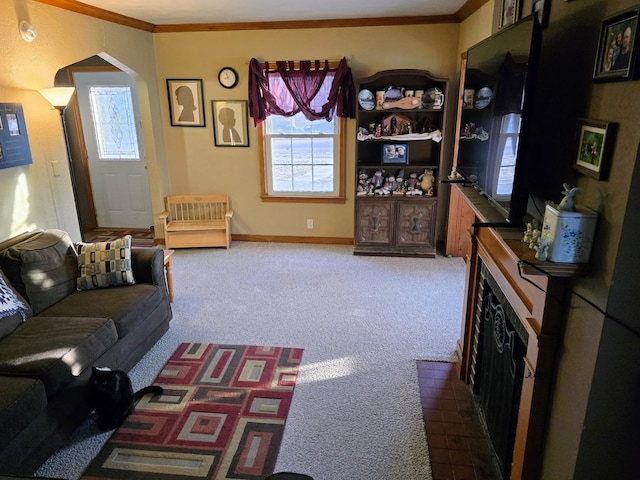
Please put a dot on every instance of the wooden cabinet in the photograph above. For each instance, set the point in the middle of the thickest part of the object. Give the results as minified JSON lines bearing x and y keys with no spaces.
{"x":398,"y":226}
{"x":401,"y":118}
{"x":459,"y":229}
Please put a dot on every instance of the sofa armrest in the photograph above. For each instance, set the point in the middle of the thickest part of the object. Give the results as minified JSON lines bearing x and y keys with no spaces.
{"x":148,"y":266}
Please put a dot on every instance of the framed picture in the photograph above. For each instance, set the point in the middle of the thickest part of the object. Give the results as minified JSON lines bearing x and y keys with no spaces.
{"x":617,"y":46}
{"x":541,"y":8}
{"x":397,"y":153}
{"x":186,"y":102}
{"x":230,"y":123}
{"x":595,"y":142}
{"x":509,"y":12}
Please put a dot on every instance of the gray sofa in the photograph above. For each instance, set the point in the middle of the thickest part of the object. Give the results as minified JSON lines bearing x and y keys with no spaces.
{"x":48,"y":345}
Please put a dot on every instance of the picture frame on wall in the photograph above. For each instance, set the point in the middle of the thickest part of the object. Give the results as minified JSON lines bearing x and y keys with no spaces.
{"x":617,"y":47}
{"x":230,"y":127}
{"x":186,"y":102}
{"x":395,"y":153}
{"x":594,"y":147}
{"x":541,"y":9}
{"x":509,"y":12}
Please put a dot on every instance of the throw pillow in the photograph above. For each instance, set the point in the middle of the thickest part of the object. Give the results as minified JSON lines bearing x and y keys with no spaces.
{"x":104,"y":264}
{"x":13,"y":309}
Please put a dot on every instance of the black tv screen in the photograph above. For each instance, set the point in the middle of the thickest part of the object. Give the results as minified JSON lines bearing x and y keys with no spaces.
{"x":495,"y":146}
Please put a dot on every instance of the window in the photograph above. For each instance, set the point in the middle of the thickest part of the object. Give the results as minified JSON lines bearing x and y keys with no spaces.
{"x":113,"y":121}
{"x":301,"y":107}
{"x":506,"y":151}
{"x":303,"y":158}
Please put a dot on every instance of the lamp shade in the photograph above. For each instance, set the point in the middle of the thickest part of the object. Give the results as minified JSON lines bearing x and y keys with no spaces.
{"x":58,"y":96}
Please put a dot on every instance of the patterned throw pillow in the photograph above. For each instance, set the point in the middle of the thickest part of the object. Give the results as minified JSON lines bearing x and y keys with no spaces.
{"x":9,"y":302}
{"x":104,"y":264}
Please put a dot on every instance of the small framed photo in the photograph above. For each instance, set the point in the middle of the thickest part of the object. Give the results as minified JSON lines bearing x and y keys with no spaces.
{"x":186,"y":102}
{"x":395,"y":153}
{"x":617,"y":46}
{"x":230,"y":128}
{"x":595,"y":143}
{"x":509,"y":12}
{"x":541,"y":9}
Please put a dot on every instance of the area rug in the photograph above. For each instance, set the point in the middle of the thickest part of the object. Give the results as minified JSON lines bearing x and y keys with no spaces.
{"x":221,"y":416}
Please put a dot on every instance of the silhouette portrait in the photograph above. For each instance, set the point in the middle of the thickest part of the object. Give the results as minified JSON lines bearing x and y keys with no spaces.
{"x":186,"y":103}
{"x":230,"y":123}
{"x":184,"y":97}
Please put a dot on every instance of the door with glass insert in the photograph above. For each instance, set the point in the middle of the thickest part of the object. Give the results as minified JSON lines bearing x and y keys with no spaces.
{"x":109,"y":111}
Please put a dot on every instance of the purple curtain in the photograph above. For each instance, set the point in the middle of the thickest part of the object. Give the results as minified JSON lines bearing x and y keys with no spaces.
{"x":319,"y":92}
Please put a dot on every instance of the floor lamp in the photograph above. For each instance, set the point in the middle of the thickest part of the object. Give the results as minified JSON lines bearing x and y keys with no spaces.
{"x":59,"y":97}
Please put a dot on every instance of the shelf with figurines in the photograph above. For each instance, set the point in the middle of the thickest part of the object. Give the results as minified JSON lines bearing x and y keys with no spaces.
{"x":382,"y":183}
{"x":396,"y":126}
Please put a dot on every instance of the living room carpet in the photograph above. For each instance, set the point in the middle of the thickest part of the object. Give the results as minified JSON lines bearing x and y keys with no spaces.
{"x":221,"y":415}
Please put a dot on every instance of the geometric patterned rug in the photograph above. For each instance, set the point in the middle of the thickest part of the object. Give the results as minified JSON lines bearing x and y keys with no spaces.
{"x":221,"y":416}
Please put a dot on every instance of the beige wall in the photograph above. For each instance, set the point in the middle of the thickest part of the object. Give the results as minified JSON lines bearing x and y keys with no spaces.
{"x":184,"y":160}
{"x":477,"y":27}
{"x":197,"y":166}
{"x":34,"y":196}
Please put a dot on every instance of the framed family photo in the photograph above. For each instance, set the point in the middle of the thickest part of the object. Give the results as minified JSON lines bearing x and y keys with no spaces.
{"x":509,"y":12}
{"x":617,"y":47}
{"x":186,"y":102}
{"x":595,"y":142}
{"x":541,"y":9}
{"x":397,"y":153}
{"x":230,"y":128}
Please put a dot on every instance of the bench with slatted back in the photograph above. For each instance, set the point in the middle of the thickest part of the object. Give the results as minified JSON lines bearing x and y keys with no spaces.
{"x":197,"y":221}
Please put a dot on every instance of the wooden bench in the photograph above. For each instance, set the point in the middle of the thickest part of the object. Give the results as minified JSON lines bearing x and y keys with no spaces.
{"x":197,"y":221}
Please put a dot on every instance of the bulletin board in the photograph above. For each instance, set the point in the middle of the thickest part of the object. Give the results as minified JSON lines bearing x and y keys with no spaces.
{"x":14,"y":142}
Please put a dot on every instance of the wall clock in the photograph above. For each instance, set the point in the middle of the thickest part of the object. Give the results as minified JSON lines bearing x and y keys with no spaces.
{"x":228,"y":77}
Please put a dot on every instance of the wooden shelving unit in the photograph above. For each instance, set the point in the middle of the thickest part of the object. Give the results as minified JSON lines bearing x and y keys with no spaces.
{"x":395,"y":222}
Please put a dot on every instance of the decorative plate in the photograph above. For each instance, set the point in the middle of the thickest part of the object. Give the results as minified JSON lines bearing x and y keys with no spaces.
{"x":366,"y":99}
{"x":393,"y":94}
{"x":483,"y":98}
{"x":433,"y":98}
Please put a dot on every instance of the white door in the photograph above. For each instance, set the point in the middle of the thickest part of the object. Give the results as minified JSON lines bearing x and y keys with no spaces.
{"x":109,"y":113}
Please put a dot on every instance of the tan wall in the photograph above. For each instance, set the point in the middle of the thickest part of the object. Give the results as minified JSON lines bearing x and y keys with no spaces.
{"x":33,"y":196}
{"x":477,"y":27}
{"x":197,"y":166}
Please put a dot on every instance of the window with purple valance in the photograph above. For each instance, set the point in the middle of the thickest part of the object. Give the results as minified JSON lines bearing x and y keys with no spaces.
{"x":313,"y":88}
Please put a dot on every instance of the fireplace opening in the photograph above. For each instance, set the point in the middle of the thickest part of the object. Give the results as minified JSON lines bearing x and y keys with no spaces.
{"x":497,"y":365}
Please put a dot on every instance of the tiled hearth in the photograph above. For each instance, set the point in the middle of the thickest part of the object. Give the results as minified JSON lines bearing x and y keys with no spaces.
{"x":459,"y":447}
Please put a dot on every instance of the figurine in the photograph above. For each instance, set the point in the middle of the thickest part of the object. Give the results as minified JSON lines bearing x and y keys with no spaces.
{"x":454,"y":173}
{"x":377,"y":180}
{"x":568,"y":202}
{"x":535,"y":236}
{"x":363,"y":183}
{"x":528,"y":233}
{"x":542,"y":250}
{"x":427,"y":180}
{"x":412,"y":182}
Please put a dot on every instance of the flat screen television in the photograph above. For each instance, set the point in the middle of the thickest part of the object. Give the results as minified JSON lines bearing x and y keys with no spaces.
{"x":496,"y":146}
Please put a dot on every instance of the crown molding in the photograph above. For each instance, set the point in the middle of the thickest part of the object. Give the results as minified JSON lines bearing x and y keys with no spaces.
{"x":74,"y":6}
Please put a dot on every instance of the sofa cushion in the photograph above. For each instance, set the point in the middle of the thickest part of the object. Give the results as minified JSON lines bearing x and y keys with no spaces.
{"x":42,"y":268}
{"x":126,"y":306}
{"x":13,"y":308}
{"x":55,"y":350}
{"x":21,"y":401}
{"x":104,"y":264}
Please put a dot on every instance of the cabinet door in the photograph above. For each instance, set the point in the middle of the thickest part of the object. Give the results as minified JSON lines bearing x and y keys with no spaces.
{"x":416,"y":223}
{"x":374,"y":221}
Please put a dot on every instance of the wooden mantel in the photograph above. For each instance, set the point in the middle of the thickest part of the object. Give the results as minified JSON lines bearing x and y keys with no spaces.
{"x":535,"y":290}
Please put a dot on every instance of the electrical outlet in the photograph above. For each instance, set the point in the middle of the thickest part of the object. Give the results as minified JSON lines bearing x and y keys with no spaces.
{"x":309,"y":222}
